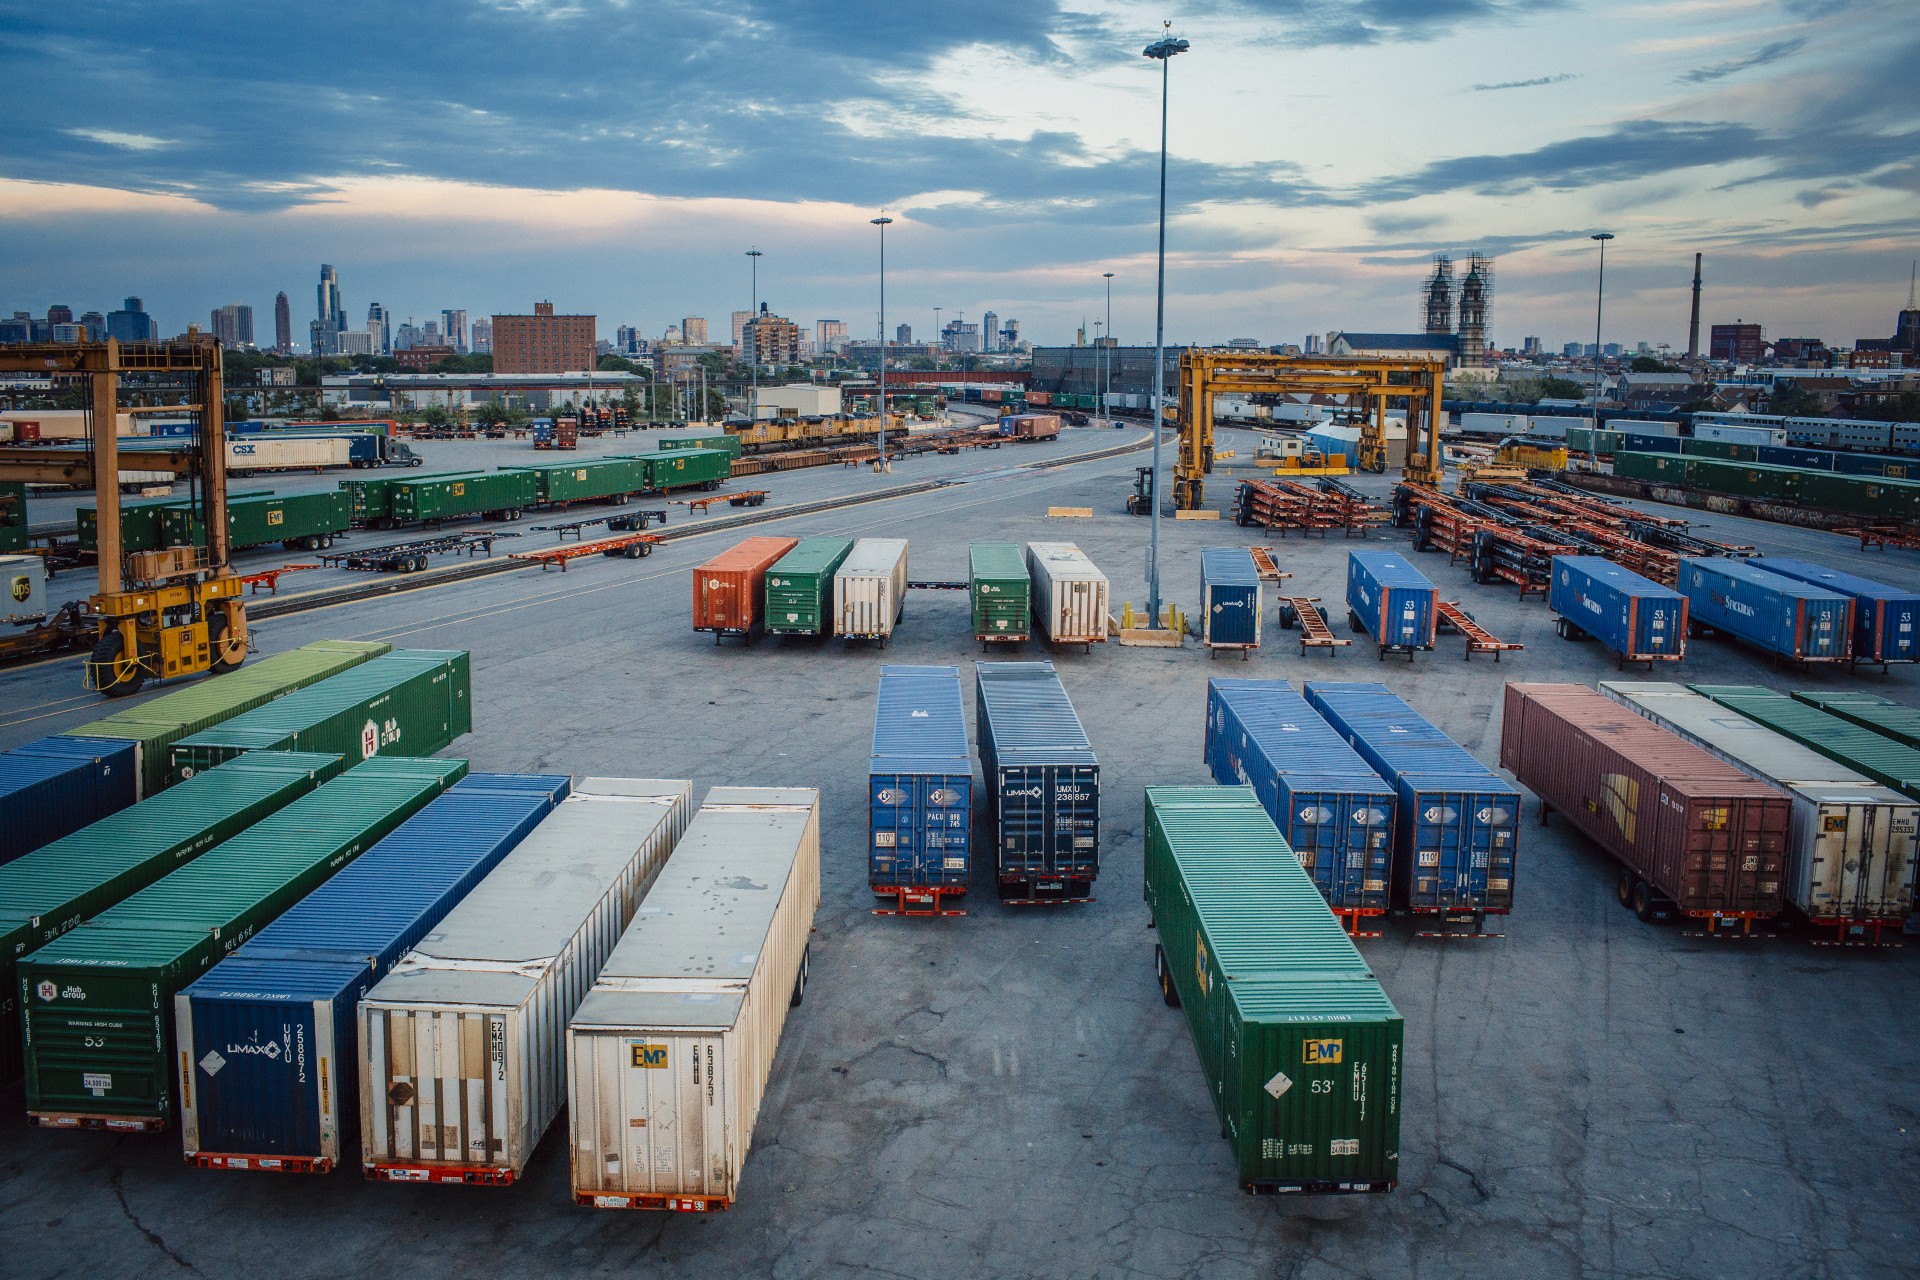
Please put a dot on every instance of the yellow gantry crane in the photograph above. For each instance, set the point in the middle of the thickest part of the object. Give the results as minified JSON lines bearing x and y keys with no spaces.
{"x":1368,"y":383}
{"x":173,"y":612}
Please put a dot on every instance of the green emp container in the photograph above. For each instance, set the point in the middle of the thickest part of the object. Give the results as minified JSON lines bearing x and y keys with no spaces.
{"x":679,"y":468}
{"x":1748,"y":479}
{"x":13,"y":517}
{"x":410,"y":702}
{"x":729,"y":442}
{"x":60,"y":885}
{"x":459,"y":493}
{"x":1001,"y":591}
{"x":585,"y":481}
{"x":99,"y":999}
{"x":1300,"y":1047}
{"x":800,"y":587}
{"x":372,"y":500}
{"x":1884,"y":716}
{"x":1724,"y":450}
{"x":1861,"y":749}
{"x":1660,"y":468}
{"x":158,"y":724}
{"x":257,"y":521}
{"x":140,"y":521}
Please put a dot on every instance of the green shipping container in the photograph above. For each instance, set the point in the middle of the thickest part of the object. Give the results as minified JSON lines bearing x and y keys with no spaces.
{"x":1300,"y":1047}
{"x":140,"y":521}
{"x":1884,"y":716}
{"x":372,"y":501}
{"x":157,"y":724}
{"x":557,"y":482}
{"x":99,"y":999}
{"x":308,"y":518}
{"x":1724,"y":450}
{"x":680,"y":468}
{"x":63,"y":884}
{"x":1001,"y":590}
{"x":800,"y":587}
{"x":13,"y":517}
{"x":410,"y":702}
{"x":1659,"y":468}
{"x":460,"y":493}
{"x":729,"y":442}
{"x":1890,"y":763}
{"x":1748,"y":479}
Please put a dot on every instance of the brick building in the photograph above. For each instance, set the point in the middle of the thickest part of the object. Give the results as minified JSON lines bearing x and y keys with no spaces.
{"x":420,"y":359}
{"x":543,"y":342}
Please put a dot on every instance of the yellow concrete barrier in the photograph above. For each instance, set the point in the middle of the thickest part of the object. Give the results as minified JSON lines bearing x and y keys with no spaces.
{"x":1076,"y":513}
{"x":1196,"y":515}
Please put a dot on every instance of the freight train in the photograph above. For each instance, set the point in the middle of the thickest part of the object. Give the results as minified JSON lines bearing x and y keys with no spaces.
{"x":508,"y":492}
{"x":808,"y":433}
{"x":1500,"y":418}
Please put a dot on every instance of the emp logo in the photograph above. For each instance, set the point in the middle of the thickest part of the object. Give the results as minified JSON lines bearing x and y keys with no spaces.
{"x":1321,"y":1053}
{"x":648,"y":1057}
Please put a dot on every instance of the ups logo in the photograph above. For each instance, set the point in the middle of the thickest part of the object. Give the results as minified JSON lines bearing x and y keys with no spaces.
{"x":651,"y":1057}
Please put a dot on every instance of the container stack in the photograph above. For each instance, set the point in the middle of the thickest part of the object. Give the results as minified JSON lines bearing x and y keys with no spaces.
{"x":919,"y":792}
{"x":1042,"y":783}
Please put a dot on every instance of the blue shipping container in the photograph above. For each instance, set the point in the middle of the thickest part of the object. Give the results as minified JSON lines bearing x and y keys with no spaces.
{"x":1634,"y":442}
{"x":1784,"y":617}
{"x":1873,"y":464}
{"x":1391,"y":600}
{"x":1785,"y":455}
{"x":55,"y":786}
{"x":269,"y":1037}
{"x":1229,"y":598}
{"x":1634,"y":617}
{"x":1334,"y":810}
{"x":1043,"y":783}
{"x":919,"y":784}
{"x":1456,"y":823}
{"x":1886,"y":620}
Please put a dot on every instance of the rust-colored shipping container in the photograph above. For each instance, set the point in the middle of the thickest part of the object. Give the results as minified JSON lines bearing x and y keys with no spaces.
{"x":727,"y":589}
{"x":1693,"y":835}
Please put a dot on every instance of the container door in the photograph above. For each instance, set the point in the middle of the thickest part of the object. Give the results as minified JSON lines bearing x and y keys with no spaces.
{"x":944,"y":812}
{"x":254,"y":1077}
{"x":1898,"y":639}
{"x":720,"y":600}
{"x":651,"y":1114}
{"x":1402,"y":622}
{"x":1457,"y":836}
{"x":1023,"y":827}
{"x":1074,"y":821}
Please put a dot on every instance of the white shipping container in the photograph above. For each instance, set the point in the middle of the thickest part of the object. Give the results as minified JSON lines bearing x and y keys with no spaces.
{"x":1494,"y":424}
{"x":1070,"y":596}
{"x":463,"y":1047}
{"x":1642,"y":427}
{"x":1288,"y":411}
{"x":1854,"y":841}
{"x":23,"y":579}
{"x":668,"y":1056}
{"x":1555,"y":427}
{"x":870,"y":589}
{"x":265,"y":452}
{"x":1729,"y":434}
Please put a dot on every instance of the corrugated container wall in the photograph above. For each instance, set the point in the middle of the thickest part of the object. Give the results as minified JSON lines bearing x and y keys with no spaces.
{"x":728,"y":590}
{"x":1832,"y":731}
{"x":1391,"y":600}
{"x":870,"y":589}
{"x":1071,"y":602}
{"x":1042,"y":783}
{"x":919,"y":783}
{"x":1634,"y":617}
{"x":55,"y":786}
{"x":800,"y":587}
{"x":1884,"y":716}
{"x":1229,"y":598}
{"x":1781,"y":616}
{"x":1001,"y":591}
{"x":1886,"y":620}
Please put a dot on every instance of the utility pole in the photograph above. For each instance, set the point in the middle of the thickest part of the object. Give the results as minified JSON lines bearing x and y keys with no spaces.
{"x":753,"y":317}
{"x":880,"y":442}
{"x":1162,"y":50}
{"x":1106,"y":360}
{"x":1599,"y":301}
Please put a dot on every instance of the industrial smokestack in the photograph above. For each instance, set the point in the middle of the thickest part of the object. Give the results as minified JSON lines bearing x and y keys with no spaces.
{"x":1693,"y":327}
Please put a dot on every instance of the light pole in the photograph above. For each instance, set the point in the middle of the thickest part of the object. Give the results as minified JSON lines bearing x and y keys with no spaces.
{"x":1106,"y":359}
{"x":939,"y":339}
{"x":1163,"y":51}
{"x":880,"y":460}
{"x":1599,"y":301}
{"x":753,"y":316}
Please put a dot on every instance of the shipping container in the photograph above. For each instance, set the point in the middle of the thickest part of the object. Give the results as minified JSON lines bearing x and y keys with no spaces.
{"x":409,"y":702}
{"x":1834,"y":731}
{"x":1886,"y":620}
{"x":1554,"y":427}
{"x":727,"y":442}
{"x":23,"y":588}
{"x":558,"y":483}
{"x":1883,"y":715}
{"x":870,"y":590}
{"x":1001,"y":593}
{"x":1334,"y":810}
{"x":1042,"y":783}
{"x":800,"y":587}
{"x":729,"y":589}
{"x":1230,"y":603}
{"x":1755,"y":435}
{"x":299,"y":521}
{"x":1776,"y":614}
{"x":462,"y":1045}
{"x":669,"y":1055}
{"x":1390,"y":600}
{"x":1494,"y":424}
{"x":14,"y":533}
{"x":686,"y":468}
{"x":1300,"y":1048}
{"x":59,"y":885}
{"x":1071,"y":601}
{"x":1654,"y":468}
{"x":457,"y":495}
{"x":249,"y":454}
{"x":1636,"y":619}
{"x":140,"y":521}
{"x":99,"y":999}
{"x":1030,"y":426}
{"x":1455,"y":824}
{"x":268,"y":1039}
{"x":155,"y":725}
{"x":372,"y":501}
{"x":54,"y":786}
{"x":1692,"y":834}
{"x":1851,"y":861}
{"x":919,"y":788}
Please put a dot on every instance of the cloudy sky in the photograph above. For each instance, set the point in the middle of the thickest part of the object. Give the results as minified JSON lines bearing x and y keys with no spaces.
{"x":619,"y":158}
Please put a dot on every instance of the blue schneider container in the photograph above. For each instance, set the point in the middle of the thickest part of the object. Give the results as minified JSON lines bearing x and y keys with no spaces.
{"x":1886,"y":620}
{"x":55,"y":786}
{"x":1456,"y":823}
{"x":1334,"y":810}
{"x":1391,"y":601}
{"x":1784,"y":617}
{"x":1634,"y":617}
{"x":269,"y":1048}
{"x":1229,"y":599}
{"x":919,"y":788}
{"x":1043,"y":783}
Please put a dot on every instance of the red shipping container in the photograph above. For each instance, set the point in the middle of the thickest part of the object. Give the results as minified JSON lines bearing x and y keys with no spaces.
{"x":1685,"y":826}
{"x":728,"y":588}
{"x":25,"y":431}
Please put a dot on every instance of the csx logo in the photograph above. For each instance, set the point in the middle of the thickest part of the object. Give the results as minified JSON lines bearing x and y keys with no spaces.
{"x":650,"y":1057}
{"x":1325,"y":1053}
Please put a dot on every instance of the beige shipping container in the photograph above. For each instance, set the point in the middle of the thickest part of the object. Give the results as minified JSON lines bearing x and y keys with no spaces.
{"x":668,"y":1057}
{"x":870,"y":589}
{"x":1070,"y":596}
{"x":462,"y":1046}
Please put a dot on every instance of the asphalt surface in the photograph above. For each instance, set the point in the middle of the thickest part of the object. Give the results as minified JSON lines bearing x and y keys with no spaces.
{"x":1005,"y":1093}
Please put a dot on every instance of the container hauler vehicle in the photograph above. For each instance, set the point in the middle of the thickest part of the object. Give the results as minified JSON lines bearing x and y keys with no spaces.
{"x":1300,"y":1048}
{"x":919,"y":792}
{"x":99,"y":999}
{"x":1455,"y":824}
{"x":268,"y":1044}
{"x":1693,"y":835}
{"x":1334,"y":810}
{"x":1886,"y":620}
{"x":297,"y":521}
{"x":1042,"y":783}
{"x":55,"y":786}
{"x":1776,"y":614}
{"x":870,"y":590}
{"x":1634,"y":618}
{"x":729,"y":590}
{"x":463,"y":1042}
{"x":1230,"y":604}
{"x":1837,"y":736}
{"x":1071,"y":599}
{"x":1851,"y":863}
{"x":1000,"y":592}
{"x":1883,"y":715}
{"x":63,"y":884}
{"x":669,"y":1054}
{"x":1390,"y":600}
{"x":1028,"y":427}
{"x":800,"y":587}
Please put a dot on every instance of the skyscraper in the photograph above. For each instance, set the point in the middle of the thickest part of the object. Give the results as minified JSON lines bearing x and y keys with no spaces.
{"x":990,"y":331}
{"x":453,"y":328}
{"x":233,"y":325}
{"x":332,"y":315}
{"x":740,"y":319}
{"x":693,"y":330}
{"x":282,"y":323}
{"x":903,"y":336}
{"x":829,"y":335}
{"x":380,"y":326}
{"x":482,"y":336}
{"x":131,"y":323}
{"x":59,"y":313}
